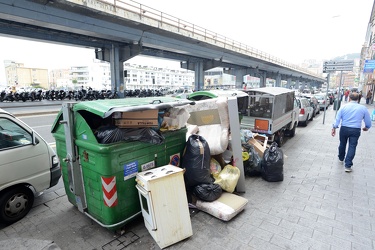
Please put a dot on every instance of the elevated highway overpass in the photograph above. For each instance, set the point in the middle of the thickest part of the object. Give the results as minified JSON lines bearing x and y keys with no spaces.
{"x":121,"y":29}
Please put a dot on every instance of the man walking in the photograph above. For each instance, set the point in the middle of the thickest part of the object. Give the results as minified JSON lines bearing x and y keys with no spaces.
{"x":350,"y":116}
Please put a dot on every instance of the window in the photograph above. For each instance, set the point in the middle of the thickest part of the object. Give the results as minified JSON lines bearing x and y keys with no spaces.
{"x":12,"y":135}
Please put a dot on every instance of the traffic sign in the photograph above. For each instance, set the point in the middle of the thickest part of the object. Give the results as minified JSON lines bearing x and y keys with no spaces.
{"x":369,"y":66}
{"x":343,"y":65}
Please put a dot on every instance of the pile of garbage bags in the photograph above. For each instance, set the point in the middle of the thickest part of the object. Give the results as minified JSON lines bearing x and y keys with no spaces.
{"x":203,"y":176}
{"x":270,"y":167}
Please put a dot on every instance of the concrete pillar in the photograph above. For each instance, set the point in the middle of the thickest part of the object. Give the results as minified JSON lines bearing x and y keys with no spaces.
{"x":278,"y":80}
{"x":117,"y":71}
{"x":199,"y":76}
{"x":289,"y":82}
{"x":263,"y":79}
{"x":297,"y":85}
{"x":240,"y":73}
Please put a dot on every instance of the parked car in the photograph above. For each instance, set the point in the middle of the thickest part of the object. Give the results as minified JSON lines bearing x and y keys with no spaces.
{"x":28,"y":166}
{"x":306,"y":111}
{"x":314,"y":103}
{"x":323,"y":100}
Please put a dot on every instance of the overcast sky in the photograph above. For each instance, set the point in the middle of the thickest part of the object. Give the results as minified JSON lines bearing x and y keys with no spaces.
{"x":293,"y":30}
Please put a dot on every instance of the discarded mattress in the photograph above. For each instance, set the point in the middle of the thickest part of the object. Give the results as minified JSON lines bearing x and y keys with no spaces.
{"x":224,"y":208}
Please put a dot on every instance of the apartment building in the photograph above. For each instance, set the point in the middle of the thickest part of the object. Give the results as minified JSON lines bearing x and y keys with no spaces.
{"x":20,"y":76}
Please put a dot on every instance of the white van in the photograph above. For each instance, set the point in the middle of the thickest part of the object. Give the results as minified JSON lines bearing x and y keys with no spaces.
{"x":28,"y":165}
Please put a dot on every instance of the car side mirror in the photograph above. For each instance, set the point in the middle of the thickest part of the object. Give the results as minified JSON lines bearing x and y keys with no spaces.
{"x":35,"y":140}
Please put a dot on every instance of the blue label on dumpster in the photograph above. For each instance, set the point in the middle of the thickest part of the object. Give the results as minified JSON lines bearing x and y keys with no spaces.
{"x":130,"y":170}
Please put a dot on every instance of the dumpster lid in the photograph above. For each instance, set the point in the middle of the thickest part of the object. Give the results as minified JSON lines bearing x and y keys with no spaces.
{"x":105,"y":108}
{"x":271,"y":90}
{"x":216,"y":93}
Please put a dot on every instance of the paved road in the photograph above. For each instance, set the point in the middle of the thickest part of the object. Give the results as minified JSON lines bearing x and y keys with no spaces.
{"x":317,"y":206}
{"x":27,"y":108}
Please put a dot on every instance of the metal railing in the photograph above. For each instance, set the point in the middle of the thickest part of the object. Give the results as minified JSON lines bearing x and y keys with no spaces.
{"x":164,"y":20}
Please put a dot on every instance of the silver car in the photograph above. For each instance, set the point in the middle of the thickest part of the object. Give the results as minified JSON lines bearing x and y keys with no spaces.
{"x":323,"y":101}
{"x":306,"y":111}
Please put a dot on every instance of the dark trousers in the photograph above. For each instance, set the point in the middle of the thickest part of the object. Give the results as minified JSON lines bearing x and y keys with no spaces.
{"x":350,"y":135}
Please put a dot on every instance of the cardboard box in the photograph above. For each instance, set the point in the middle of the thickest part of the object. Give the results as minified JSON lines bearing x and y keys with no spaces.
{"x":143,"y":114}
{"x":136,"y":123}
{"x":137,"y":119}
{"x":257,"y":146}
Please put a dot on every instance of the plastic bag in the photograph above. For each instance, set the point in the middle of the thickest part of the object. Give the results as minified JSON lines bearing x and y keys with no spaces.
{"x":111,"y":134}
{"x":215,"y":167}
{"x":108,"y":134}
{"x":208,"y":192}
{"x":253,"y":166}
{"x":246,"y":135}
{"x":228,"y":178}
{"x":196,"y":162}
{"x":144,"y":135}
{"x":273,"y":164}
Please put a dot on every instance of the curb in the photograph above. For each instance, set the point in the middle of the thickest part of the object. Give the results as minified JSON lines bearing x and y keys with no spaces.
{"x":35,"y":113}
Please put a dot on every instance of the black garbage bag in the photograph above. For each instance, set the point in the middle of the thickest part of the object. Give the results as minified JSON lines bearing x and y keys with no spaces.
{"x":273,"y":164}
{"x":111,"y":134}
{"x":252,"y":166}
{"x":196,"y":162}
{"x":144,"y":135}
{"x":208,"y":192}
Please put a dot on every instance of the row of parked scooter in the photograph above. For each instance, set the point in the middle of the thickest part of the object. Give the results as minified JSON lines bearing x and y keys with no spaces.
{"x":52,"y":95}
{"x":144,"y":92}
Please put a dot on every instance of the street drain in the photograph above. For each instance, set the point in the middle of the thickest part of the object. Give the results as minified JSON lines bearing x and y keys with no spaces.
{"x":121,"y":241}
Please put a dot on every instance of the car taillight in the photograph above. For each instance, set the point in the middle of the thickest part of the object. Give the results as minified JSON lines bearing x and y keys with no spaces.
{"x":302,"y":111}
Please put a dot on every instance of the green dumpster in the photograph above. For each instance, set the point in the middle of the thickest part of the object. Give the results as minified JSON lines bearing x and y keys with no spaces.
{"x":105,"y":187}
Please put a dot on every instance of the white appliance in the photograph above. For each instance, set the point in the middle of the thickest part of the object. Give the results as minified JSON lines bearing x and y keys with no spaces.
{"x":164,"y":204}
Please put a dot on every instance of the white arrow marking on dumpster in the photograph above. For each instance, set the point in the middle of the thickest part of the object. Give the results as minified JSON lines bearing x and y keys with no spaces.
{"x":112,"y":201}
{"x":108,"y":187}
{"x":109,"y":191}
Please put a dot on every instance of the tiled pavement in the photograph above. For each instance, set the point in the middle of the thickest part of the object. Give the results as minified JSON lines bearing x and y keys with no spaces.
{"x":317,"y":206}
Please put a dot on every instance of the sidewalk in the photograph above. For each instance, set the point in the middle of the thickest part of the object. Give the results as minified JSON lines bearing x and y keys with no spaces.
{"x":317,"y":206}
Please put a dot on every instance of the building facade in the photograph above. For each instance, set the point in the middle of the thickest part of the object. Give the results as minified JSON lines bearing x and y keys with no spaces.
{"x":60,"y":78}
{"x":149,"y":77}
{"x":367,"y":62}
{"x":96,"y":75}
{"x":20,"y":76}
{"x":217,"y":79}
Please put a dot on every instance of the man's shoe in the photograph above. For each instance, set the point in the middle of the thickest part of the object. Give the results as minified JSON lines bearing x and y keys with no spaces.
{"x":348,"y":169}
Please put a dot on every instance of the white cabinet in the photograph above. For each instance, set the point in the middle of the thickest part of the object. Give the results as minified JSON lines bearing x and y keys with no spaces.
{"x":164,"y":204}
